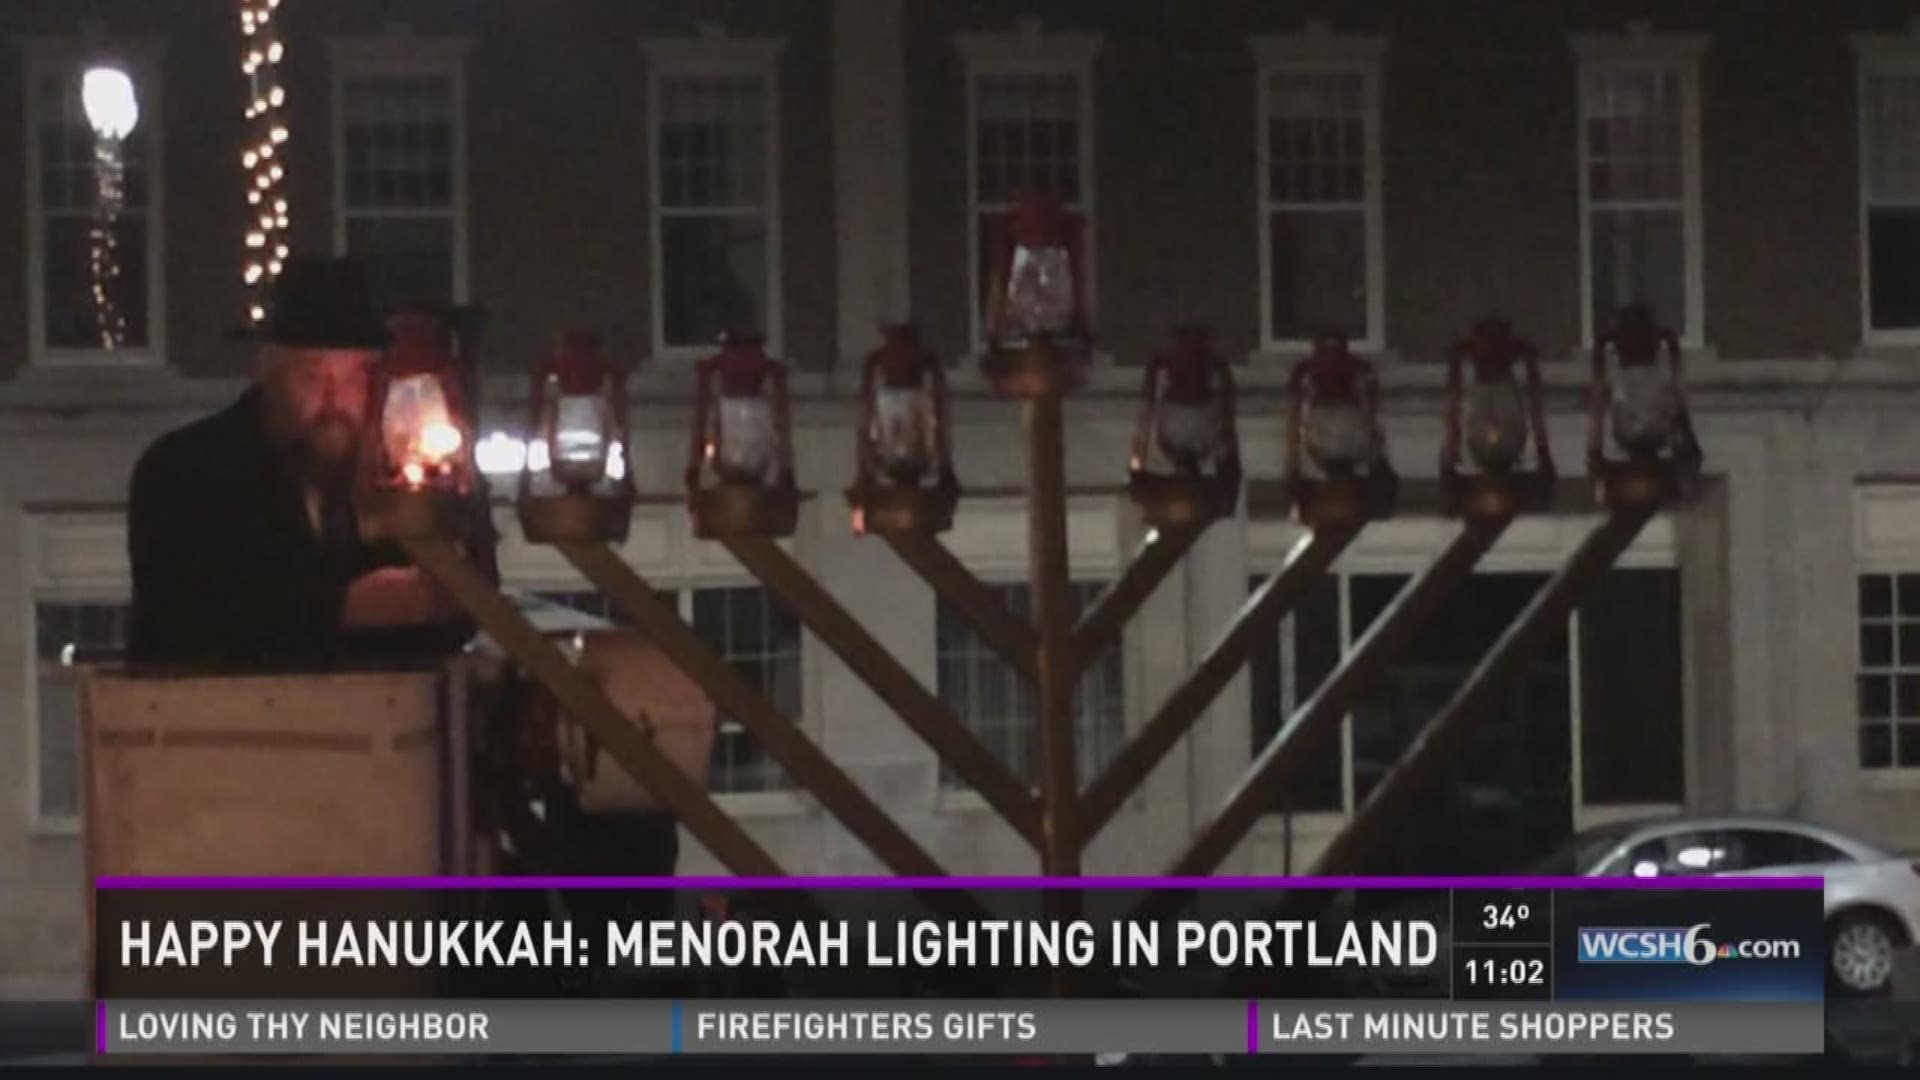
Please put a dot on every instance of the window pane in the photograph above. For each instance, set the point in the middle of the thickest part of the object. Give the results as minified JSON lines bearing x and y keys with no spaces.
{"x":1506,"y":797}
{"x":1319,"y":273}
{"x":409,"y":260}
{"x":1000,"y":706}
{"x":765,"y":651}
{"x":1764,"y":849}
{"x":1876,"y":746}
{"x":1892,"y":138}
{"x":1907,"y":596}
{"x":1907,"y":738}
{"x":1876,"y":696}
{"x":1027,"y":133}
{"x":397,"y":142}
{"x":89,"y":632}
{"x":72,"y":314}
{"x":1631,"y":696}
{"x":715,"y":277}
{"x":1639,"y":256}
{"x":1893,"y":272}
{"x":1876,"y":596}
{"x":1281,"y":680}
{"x":1633,"y":133}
{"x":1876,"y":645}
{"x":712,"y":142}
{"x":1316,"y":137}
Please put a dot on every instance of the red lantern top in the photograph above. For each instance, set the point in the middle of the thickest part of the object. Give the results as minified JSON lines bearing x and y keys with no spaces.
{"x":1038,"y":220}
{"x":743,"y":365}
{"x":418,"y":348}
{"x":579,"y":365}
{"x":1332,"y":372}
{"x":1493,"y":349}
{"x":1637,"y":337}
{"x":901,"y":357}
{"x":1189,"y":364}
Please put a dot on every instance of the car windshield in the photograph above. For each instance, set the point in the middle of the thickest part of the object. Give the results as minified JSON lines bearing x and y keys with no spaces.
{"x":1584,"y":849}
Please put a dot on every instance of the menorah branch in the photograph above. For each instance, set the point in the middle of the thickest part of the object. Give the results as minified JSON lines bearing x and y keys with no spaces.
{"x":1008,"y":635}
{"x":1277,"y":596}
{"x":777,"y":733}
{"x":1102,"y":624}
{"x":957,"y":745}
{"x":583,"y":700}
{"x":1359,"y":671}
{"x":1441,"y":740}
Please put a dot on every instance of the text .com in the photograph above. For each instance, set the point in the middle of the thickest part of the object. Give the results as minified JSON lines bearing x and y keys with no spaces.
{"x":1676,"y":945}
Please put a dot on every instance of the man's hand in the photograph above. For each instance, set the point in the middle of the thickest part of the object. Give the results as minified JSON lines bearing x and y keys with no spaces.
{"x":395,"y":596}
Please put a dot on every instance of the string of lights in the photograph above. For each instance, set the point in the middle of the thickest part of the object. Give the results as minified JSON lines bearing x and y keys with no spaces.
{"x":264,"y":157}
{"x":109,"y":172}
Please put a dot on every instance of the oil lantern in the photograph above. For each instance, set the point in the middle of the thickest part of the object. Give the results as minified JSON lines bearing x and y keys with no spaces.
{"x":1187,"y":416}
{"x":740,"y":456}
{"x":581,"y":488}
{"x":1037,"y":322}
{"x":904,"y":478}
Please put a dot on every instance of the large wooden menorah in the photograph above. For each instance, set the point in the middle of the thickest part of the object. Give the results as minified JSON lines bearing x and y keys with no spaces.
{"x":1055,"y":813}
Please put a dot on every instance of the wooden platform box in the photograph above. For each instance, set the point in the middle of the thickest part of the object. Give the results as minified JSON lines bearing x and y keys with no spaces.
{"x":356,"y":774}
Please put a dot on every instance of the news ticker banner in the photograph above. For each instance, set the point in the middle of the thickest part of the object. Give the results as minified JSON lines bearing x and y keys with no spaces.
{"x":959,"y":1028}
{"x":1512,"y":962}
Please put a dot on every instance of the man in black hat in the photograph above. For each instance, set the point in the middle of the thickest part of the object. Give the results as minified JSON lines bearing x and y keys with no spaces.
{"x":243,"y":538}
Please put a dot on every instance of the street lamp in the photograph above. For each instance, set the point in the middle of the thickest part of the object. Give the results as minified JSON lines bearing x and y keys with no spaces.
{"x":903,"y":439}
{"x":581,"y":488}
{"x":739,"y":475}
{"x":1187,"y":416}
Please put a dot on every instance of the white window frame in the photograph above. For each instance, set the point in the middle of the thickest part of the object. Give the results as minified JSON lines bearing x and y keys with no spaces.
{"x":712,"y":55}
{"x":71,"y":558}
{"x":1028,"y":51}
{"x":1532,"y":546}
{"x":1886,"y":540}
{"x":44,"y":55}
{"x":1876,"y":56}
{"x":1319,"y":51}
{"x":399,"y":53}
{"x":1640,"y":49}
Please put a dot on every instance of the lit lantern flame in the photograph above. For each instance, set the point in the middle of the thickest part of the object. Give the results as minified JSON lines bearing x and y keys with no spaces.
{"x":439,"y":441}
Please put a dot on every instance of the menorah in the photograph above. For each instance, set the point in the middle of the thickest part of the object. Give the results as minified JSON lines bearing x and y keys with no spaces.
{"x":740,"y":493}
{"x":1056,"y":815}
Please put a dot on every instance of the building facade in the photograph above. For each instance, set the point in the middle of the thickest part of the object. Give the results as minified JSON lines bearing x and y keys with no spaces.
{"x":657,"y":170}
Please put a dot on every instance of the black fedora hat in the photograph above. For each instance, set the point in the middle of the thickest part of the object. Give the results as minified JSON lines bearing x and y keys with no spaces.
{"x":320,"y":303}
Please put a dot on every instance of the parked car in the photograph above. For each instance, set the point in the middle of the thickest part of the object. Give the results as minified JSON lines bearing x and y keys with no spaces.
{"x":1872,"y":896}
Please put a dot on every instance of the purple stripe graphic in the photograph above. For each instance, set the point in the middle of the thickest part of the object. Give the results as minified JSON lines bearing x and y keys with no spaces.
{"x":1253,"y":1027}
{"x":100,"y":1027}
{"x":978,"y":882}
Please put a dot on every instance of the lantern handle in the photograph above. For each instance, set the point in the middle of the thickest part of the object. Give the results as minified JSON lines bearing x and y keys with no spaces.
{"x":863,"y":466}
{"x":1536,"y":406}
{"x":697,"y":443}
{"x":942,"y":421}
{"x":1229,"y":423}
{"x":1450,"y":441}
{"x":1149,"y":404}
{"x":782,"y":423}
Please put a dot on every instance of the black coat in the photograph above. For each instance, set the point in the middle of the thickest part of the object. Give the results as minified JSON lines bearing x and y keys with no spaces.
{"x":229,"y":574}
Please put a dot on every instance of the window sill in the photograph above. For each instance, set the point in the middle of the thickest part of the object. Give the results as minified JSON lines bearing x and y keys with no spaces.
{"x":763,"y":804}
{"x":1890,"y":779}
{"x":54,"y":828}
{"x":952,"y":800}
{"x":1272,"y":826}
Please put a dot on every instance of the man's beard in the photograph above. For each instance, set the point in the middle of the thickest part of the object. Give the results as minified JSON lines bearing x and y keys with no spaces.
{"x":323,"y":452}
